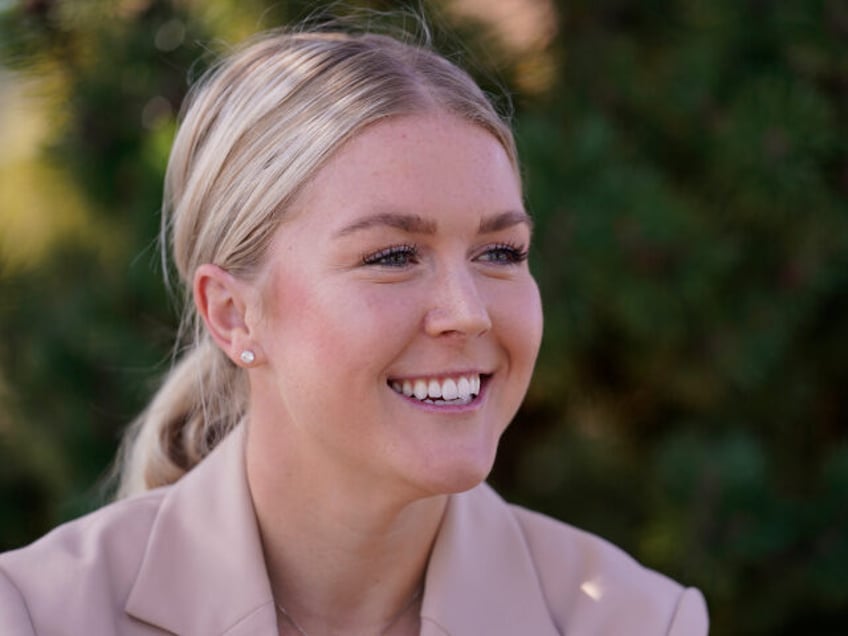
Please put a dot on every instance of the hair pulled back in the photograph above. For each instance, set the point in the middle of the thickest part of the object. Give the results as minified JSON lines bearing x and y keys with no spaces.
{"x":253,"y":131}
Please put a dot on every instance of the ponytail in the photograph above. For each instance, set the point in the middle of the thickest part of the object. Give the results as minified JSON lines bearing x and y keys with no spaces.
{"x":201,"y":400}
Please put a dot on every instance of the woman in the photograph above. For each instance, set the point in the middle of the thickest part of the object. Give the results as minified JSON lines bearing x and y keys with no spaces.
{"x":346,"y":210}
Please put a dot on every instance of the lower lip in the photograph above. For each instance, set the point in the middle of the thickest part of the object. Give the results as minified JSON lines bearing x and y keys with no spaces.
{"x":473,"y":405}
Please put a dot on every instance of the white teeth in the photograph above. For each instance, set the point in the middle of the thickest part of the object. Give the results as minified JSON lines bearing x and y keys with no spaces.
{"x":449,"y":391}
{"x":420,"y":389}
{"x":463,"y":389}
{"x":460,"y":389}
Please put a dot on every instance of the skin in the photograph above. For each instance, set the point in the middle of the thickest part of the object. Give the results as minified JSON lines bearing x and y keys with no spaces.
{"x":402,"y":258}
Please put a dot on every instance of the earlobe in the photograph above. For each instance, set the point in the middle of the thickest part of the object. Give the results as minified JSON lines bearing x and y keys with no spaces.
{"x":221,"y":300}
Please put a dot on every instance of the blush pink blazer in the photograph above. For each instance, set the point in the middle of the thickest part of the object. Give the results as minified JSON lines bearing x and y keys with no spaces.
{"x":187,"y":559}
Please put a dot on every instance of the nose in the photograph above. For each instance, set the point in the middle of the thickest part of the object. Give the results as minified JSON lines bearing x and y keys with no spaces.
{"x":458,"y":307}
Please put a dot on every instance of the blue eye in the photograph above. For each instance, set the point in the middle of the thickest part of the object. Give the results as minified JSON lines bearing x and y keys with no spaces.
{"x":504,"y":254}
{"x":395,"y":256}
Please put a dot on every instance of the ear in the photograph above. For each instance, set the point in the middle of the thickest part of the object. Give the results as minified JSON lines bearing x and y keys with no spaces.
{"x":222,"y":301}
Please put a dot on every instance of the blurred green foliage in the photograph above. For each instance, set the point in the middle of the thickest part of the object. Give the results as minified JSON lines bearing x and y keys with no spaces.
{"x":687,"y":166}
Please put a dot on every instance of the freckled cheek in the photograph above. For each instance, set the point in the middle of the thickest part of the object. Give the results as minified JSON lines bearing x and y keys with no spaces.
{"x":518,"y":318}
{"x":300,"y":322}
{"x":346,"y":320}
{"x":386,"y":312}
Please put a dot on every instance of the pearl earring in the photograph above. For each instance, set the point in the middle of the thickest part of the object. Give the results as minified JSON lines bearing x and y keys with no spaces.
{"x":247,"y":356}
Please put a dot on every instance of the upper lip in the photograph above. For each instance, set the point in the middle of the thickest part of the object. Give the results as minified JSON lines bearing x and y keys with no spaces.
{"x":438,"y":375}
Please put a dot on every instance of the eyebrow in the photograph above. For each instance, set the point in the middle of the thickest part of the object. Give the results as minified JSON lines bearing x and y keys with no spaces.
{"x":414,"y":224}
{"x":505,"y":220}
{"x":410,"y":223}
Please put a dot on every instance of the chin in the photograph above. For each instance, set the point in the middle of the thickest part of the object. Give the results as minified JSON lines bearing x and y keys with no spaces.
{"x":450,"y":478}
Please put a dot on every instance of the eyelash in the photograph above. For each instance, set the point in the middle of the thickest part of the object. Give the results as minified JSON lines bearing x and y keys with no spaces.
{"x":514,"y":254}
{"x":407,"y":254}
{"x":389,"y":256}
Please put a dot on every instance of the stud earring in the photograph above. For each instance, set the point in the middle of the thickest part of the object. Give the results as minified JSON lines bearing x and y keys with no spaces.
{"x":247,"y":356}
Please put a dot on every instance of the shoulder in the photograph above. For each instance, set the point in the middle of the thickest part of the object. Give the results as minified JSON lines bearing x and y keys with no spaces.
{"x":89,"y":562}
{"x":594,"y":587}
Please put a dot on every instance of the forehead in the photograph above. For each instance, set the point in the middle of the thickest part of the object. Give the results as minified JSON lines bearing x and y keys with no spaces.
{"x":418,"y":164}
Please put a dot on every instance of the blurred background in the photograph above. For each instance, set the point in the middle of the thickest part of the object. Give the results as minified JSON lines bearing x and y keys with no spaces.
{"x":687,"y":165}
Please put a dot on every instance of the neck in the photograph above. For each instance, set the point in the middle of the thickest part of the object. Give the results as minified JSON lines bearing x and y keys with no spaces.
{"x":342,"y":557}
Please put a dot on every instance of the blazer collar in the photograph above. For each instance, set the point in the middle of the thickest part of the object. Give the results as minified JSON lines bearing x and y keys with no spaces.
{"x":203,"y":571}
{"x":482,"y":578}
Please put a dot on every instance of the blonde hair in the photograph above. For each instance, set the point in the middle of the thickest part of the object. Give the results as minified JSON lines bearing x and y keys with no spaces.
{"x":253,"y":132}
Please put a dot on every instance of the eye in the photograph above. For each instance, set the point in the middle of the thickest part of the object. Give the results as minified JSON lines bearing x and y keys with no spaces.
{"x":395,"y":256}
{"x":504,"y":254}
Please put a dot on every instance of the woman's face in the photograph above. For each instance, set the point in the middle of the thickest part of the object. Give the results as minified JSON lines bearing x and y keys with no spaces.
{"x":400,"y":323}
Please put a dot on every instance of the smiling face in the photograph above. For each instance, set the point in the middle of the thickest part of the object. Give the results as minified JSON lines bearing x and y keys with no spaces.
{"x":399,"y":320}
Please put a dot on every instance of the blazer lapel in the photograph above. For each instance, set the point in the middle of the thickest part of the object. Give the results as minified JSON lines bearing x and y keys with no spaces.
{"x":482,"y":578}
{"x":203,"y":572}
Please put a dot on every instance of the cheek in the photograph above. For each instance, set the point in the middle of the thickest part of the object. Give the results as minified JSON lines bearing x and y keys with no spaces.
{"x":520,"y":321}
{"x":300,"y":328}
{"x":336,"y":323}
{"x":534,"y":302}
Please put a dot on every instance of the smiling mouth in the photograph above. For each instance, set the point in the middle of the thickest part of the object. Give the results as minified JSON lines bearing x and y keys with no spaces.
{"x":456,"y":390}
